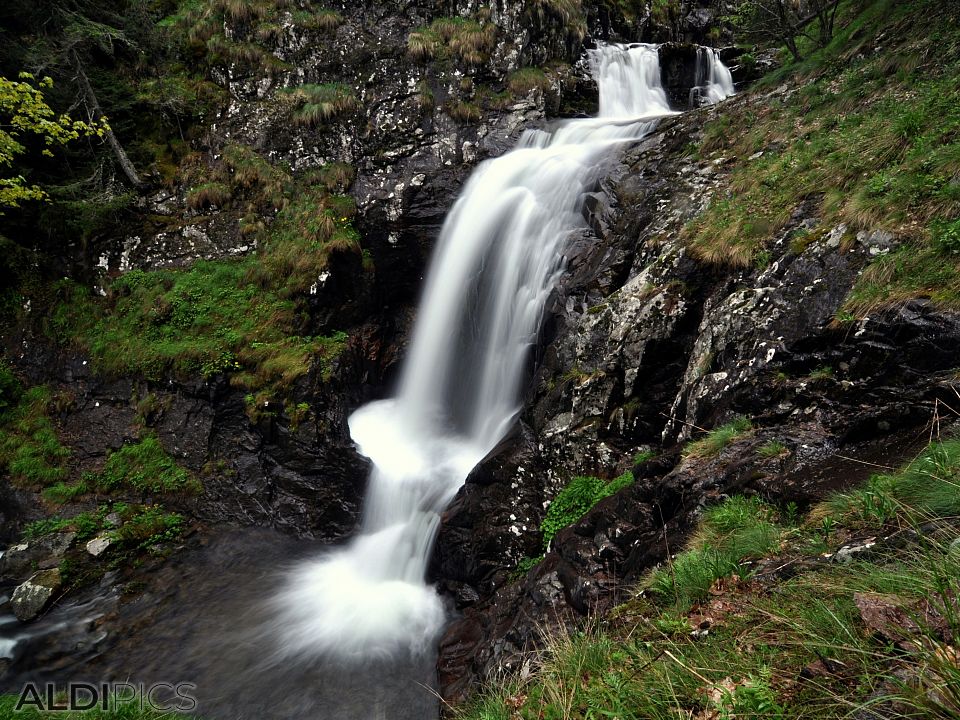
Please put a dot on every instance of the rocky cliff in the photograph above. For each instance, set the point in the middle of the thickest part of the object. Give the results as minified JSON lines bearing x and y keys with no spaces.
{"x":679,"y":312}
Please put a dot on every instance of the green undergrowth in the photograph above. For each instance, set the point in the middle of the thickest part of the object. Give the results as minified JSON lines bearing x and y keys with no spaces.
{"x":317,"y":104}
{"x":927,"y":487}
{"x":145,"y":467}
{"x":243,"y":32}
{"x":736,"y":531}
{"x":710,"y":637}
{"x":466,"y":40}
{"x":576,"y":499}
{"x":30,"y":449}
{"x":139,"y":525}
{"x":870,"y":138}
{"x":457,"y":49}
{"x":243,"y":317}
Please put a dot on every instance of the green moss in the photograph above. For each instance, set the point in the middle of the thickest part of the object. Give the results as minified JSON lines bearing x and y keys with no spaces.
{"x":237,"y":317}
{"x":146,"y":467}
{"x":576,"y":499}
{"x":30,"y":450}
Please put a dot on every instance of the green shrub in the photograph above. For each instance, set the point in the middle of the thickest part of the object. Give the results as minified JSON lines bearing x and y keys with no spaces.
{"x":945,"y":236}
{"x":576,"y":499}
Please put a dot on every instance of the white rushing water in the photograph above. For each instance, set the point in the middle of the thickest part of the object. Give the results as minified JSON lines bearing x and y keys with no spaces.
{"x":713,"y":81}
{"x":496,"y":262}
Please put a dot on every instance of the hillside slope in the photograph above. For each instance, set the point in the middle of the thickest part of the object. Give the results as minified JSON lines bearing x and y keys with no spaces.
{"x":778,"y":270}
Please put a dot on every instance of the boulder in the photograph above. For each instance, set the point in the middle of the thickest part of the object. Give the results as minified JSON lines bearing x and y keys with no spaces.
{"x":40,"y":553}
{"x":99,"y":545}
{"x":32,"y":597}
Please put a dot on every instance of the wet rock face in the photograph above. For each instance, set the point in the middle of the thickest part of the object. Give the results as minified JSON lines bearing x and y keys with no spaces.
{"x":643,"y":345}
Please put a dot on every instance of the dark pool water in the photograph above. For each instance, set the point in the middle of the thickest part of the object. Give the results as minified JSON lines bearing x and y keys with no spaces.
{"x":203,"y":619}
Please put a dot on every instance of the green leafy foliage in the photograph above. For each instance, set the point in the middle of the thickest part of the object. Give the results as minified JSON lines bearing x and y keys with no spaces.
{"x":140,"y":526}
{"x":24,"y":111}
{"x":576,"y":499}
{"x":753,"y":698}
{"x":149,"y":525}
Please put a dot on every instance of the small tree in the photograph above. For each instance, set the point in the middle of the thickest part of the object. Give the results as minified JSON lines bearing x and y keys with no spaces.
{"x":782,"y":21}
{"x":24,"y":112}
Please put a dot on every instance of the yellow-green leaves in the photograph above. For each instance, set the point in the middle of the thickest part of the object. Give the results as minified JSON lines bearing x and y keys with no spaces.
{"x":24,"y":111}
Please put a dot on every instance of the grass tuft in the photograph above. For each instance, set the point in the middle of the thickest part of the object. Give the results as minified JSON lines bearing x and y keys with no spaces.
{"x":718,"y":438}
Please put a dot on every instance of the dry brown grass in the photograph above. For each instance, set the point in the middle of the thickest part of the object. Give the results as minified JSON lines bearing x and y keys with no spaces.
{"x":211,"y":194}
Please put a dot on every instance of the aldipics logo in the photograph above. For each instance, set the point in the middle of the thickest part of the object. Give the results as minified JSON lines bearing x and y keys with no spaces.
{"x":82,"y":696}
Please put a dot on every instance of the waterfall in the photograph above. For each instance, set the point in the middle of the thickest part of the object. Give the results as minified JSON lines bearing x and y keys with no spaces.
{"x":497,"y":259}
{"x":713,"y":81}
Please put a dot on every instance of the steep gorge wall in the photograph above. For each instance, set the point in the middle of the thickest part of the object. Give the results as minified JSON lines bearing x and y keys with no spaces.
{"x":646,"y":345}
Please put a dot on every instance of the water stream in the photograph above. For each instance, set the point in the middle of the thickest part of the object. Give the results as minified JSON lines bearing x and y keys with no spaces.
{"x":498,"y":257}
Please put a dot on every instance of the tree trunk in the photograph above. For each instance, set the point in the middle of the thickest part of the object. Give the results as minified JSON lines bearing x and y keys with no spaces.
{"x":93,"y":106}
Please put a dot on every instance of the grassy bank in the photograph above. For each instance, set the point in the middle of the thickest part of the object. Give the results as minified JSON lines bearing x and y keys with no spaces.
{"x":869,"y":137}
{"x":760,"y":618}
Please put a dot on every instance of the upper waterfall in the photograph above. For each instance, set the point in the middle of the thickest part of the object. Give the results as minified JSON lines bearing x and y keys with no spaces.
{"x":713,"y":80}
{"x":498,"y":258}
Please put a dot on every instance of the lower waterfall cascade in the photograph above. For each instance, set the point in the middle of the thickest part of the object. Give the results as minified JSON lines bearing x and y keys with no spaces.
{"x":497,"y":260}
